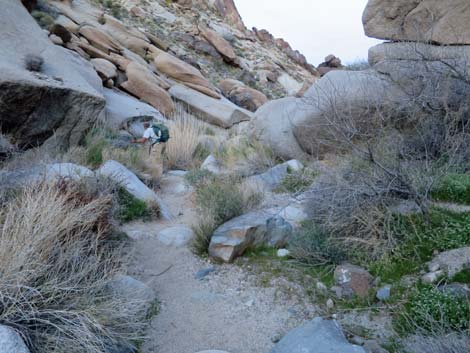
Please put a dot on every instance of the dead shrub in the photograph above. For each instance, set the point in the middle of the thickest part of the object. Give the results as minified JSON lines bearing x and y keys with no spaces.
{"x":55,"y":268}
{"x":33,"y":62}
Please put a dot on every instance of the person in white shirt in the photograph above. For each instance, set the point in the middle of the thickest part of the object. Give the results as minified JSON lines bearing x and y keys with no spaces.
{"x":155,"y":150}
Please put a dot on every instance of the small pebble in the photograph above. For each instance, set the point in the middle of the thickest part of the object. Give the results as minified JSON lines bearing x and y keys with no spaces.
{"x":283,"y":253}
{"x":330,"y":304}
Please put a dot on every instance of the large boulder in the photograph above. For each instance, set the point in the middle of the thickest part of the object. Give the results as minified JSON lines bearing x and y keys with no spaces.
{"x":11,"y":341}
{"x":122,"y":108}
{"x":242,"y":95}
{"x":59,"y":103}
{"x":132,"y":184}
{"x":432,"y":21}
{"x":183,"y":72}
{"x":316,"y":336}
{"x":220,"y":112}
{"x":452,"y":261}
{"x":143,"y":84}
{"x":219,"y":43}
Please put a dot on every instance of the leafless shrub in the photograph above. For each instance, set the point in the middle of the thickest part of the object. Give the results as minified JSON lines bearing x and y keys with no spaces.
{"x":444,"y":343}
{"x":55,"y":268}
{"x":33,"y":62}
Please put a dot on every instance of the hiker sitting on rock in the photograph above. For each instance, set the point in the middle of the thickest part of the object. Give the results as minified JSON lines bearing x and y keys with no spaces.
{"x":156,"y":136}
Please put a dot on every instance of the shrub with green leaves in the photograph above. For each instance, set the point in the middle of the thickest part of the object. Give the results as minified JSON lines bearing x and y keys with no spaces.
{"x":453,"y":188}
{"x":315,"y":247}
{"x":429,"y":308}
{"x":130,"y":208}
{"x":295,"y":182}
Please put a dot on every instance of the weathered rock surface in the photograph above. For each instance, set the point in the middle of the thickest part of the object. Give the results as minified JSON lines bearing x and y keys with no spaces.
{"x":132,"y":184}
{"x":220,"y":112}
{"x":242,"y":95}
{"x":105,"y":69}
{"x":212,"y":165}
{"x":219,"y":43}
{"x":63,"y":99}
{"x":100,"y":39}
{"x":452,"y":261}
{"x":143,"y":84}
{"x":255,"y":228}
{"x":316,"y":336}
{"x":229,"y":12}
{"x":273,"y":177}
{"x":354,"y":280}
{"x":438,"y":21}
{"x":11,"y":341}
{"x":132,"y":291}
{"x":122,"y":108}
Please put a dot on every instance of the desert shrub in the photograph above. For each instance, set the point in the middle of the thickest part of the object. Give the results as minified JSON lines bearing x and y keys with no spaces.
{"x":202,"y":235}
{"x":42,"y":18}
{"x":453,"y":188}
{"x":130,"y":208}
{"x":418,"y":237}
{"x":295,"y":182}
{"x":429,"y":308}
{"x":313,"y":246}
{"x":185,"y":132}
{"x":438,"y":343}
{"x":198,"y":177}
{"x":56,"y":267}
{"x":33,"y":62}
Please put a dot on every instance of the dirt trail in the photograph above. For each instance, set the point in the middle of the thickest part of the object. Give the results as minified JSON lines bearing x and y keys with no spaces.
{"x":226,"y":310}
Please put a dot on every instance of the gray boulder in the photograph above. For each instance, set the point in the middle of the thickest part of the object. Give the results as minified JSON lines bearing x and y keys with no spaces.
{"x":316,"y":336}
{"x":220,"y":112}
{"x":437,"y":21}
{"x":452,"y":261}
{"x":56,"y":104}
{"x":11,"y":341}
{"x":212,"y":165}
{"x":123,"y":176}
{"x":273,"y":177}
{"x":122,"y":109}
{"x":252,"y":229}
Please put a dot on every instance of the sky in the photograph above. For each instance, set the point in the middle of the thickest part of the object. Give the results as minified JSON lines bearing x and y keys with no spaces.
{"x":314,"y":27}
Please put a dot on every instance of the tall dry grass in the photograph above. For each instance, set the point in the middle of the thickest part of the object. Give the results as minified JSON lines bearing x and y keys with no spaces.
{"x":56,"y":266}
{"x":185,"y":133}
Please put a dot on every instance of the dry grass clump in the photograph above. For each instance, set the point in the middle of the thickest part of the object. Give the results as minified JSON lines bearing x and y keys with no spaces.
{"x":444,"y":343}
{"x":33,"y":62}
{"x":55,"y":268}
{"x":185,"y":133}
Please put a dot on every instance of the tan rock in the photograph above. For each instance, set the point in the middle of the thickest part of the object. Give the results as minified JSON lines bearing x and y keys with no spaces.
{"x":138,"y":12}
{"x":160,"y":44}
{"x":67,"y":23}
{"x":439,"y":21}
{"x":56,"y":39}
{"x":183,"y":72}
{"x":242,"y":95}
{"x":105,"y":69}
{"x":93,"y":52}
{"x":100,"y":39}
{"x":143,"y":84}
{"x":229,"y":12}
{"x":219,"y":43}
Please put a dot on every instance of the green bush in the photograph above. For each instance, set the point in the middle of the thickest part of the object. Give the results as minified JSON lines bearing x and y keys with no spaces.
{"x":462,"y":277}
{"x":202,"y":236}
{"x":419,"y":237}
{"x":42,"y":18}
{"x":295,"y":182}
{"x":453,"y":188}
{"x":315,"y":247}
{"x":429,"y":308}
{"x":130,"y":208}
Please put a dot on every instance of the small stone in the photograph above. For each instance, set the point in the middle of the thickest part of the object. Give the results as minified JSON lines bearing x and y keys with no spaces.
{"x":283,"y":253}
{"x":354,"y":280}
{"x":201,"y":274}
{"x":372,"y":346}
{"x":250,"y":303}
{"x":357,"y":340}
{"x":383,"y":294}
{"x":433,"y":267}
{"x":56,"y":39}
{"x":330,"y":304}
{"x":321,"y":287}
{"x":432,"y":277}
{"x":276,"y":338}
{"x":109,"y":83}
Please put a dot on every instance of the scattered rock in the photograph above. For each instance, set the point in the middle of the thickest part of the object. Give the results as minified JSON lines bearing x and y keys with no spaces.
{"x":282,"y":253}
{"x":176,"y":236}
{"x":274,"y":176}
{"x":432,"y":277}
{"x":330,"y":304}
{"x":11,"y":341}
{"x":201,"y":274}
{"x":354,"y":280}
{"x":316,"y":336}
{"x":452,"y":261}
{"x":56,"y":39}
{"x":212,"y":165}
{"x":220,"y":112}
{"x":132,"y":184}
{"x":383,"y":294}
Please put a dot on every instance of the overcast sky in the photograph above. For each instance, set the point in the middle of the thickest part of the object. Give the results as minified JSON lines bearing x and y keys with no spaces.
{"x":314,"y":27}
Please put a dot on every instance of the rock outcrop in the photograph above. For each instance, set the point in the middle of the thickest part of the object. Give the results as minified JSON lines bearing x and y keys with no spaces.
{"x":63,"y":99}
{"x":242,"y":95}
{"x":432,"y":21}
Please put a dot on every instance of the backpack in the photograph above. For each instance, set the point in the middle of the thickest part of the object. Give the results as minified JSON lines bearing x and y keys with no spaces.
{"x":161,"y":128}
